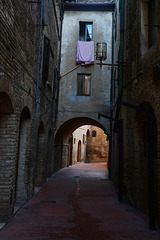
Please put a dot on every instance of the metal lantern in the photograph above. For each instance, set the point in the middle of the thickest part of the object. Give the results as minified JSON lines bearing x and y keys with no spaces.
{"x":101,"y":53}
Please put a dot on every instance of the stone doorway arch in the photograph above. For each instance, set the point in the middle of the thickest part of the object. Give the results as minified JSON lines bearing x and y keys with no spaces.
{"x":8,"y":145}
{"x":40,"y":166}
{"x":21,"y":185}
{"x":141,"y":157}
{"x":79,"y":152}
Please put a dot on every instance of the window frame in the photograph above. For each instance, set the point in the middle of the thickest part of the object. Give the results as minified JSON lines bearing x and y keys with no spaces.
{"x":84,"y":25}
{"x":94,"y":134}
{"x":148,"y":17}
{"x":81,"y":91}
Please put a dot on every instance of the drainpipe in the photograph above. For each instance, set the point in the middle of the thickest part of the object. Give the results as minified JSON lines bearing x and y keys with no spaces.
{"x":111,"y":99}
{"x":39,"y":51}
{"x":121,"y":54}
{"x":59,"y":63}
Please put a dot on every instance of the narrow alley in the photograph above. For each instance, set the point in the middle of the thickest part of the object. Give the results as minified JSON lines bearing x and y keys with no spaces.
{"x":79,"y":203}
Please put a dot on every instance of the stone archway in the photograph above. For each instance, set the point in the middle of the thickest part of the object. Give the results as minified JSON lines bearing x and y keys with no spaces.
{"x":79,"y":152}
{"x":22,"y":172}
{"x":141,"y":156}
{"x":61,"y":141}
{"x":39,"y":166}
{"x":8,"y":145}
{"x":71,"y":149}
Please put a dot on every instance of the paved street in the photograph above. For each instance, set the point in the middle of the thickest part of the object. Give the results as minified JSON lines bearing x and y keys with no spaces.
{"x":78,"y":203}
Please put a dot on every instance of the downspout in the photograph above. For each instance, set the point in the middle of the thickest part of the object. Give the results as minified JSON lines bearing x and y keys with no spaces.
{"x":59,"y":63}
{"x":121,"y":54}
{"x":111,"y":99}
{"x":39,"y":51}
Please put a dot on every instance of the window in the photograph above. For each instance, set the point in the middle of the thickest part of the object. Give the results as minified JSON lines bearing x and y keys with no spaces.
{"x":148,"y":22}
{"x":151,"y":23}
{"x":46,"y":51}
{"x":83,"y":84}
{"x":85,"y":31}
{"x":93,"y":133}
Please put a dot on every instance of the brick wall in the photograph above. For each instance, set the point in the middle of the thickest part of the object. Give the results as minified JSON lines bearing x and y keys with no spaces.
{"x":8,"y":147}
{"x":22,"y":48}
{"x":141,"y":90}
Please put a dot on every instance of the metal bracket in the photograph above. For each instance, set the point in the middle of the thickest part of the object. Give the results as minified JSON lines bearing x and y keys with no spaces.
{"x":34,"y":2}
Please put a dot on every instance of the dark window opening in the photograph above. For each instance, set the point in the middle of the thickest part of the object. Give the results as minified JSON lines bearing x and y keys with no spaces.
{"x":148,"y":24}
{"x":83,"y":84}
{"x":46,"y":49}
{"x":83,"y":138}
{"x":85,"y":31}
{"x":93,"y":133}
{"x":151,"y":23}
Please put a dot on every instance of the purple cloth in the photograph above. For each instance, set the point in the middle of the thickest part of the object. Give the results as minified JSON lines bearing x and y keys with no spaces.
{"x":85,"y":52}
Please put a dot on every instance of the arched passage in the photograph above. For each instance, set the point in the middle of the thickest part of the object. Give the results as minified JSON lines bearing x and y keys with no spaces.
{"x":141,"y":156}
{"x":21,"y":173}
{"x":79,"y":152}
{"x":49,"y":164}
{"x":70,"y":149}
{"x":8,"y":146}
{"x":88,"y":133}
{"x":39,"y":166}
{"x":62,"y":142}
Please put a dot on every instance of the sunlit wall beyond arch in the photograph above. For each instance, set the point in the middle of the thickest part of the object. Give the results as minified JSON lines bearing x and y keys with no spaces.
{"x":62,"y":139}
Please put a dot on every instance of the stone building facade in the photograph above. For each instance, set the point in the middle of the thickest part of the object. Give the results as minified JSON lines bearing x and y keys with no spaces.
{"x":140,"y":113}
{"x":29,"y":43}
{"x":77,"y":108}
{"x":97,"y":145}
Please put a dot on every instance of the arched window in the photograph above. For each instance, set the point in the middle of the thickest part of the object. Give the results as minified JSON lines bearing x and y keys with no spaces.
{"x":93,"y":133}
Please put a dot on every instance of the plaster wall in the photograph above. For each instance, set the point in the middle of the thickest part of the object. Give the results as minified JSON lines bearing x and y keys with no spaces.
{"x":71,"y":105}
{"x":97,"y":148}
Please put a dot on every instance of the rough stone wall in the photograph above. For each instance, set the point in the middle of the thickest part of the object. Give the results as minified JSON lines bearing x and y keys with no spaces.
{"x":79,"y":135}
{"x":140,"y":89}
{"x":97,"y":147}
{"x":8,"y":146}
{"x":21,"y":47}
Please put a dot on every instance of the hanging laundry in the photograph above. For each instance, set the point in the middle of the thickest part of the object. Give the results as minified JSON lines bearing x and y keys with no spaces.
{"x":85,"y":52}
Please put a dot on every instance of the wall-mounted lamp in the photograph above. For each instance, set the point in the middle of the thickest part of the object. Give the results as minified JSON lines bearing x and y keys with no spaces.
{"x":101,"y":51}
{"x":101,"y":54}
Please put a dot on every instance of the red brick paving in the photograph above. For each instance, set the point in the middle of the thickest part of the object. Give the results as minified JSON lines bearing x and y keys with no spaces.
{"x":78,"y":203}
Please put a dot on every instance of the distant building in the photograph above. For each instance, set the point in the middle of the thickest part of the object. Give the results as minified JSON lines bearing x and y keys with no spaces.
{"x":89,"y":144}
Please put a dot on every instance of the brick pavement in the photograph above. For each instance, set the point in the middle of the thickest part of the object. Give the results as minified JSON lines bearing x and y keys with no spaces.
{"x":78,"y":203}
